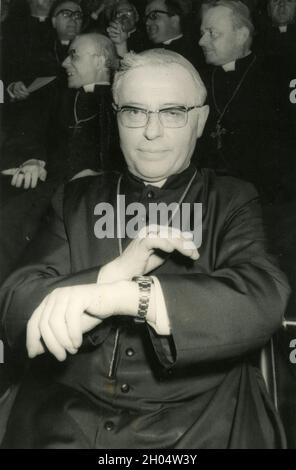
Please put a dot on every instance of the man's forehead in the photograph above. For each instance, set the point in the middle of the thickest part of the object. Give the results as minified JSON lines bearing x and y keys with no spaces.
{"x":162,"y":82}
{"x":217,"y":16}
{"x":68,"y":5}
{"x":156,"y":5}
{"x":82,"y":44}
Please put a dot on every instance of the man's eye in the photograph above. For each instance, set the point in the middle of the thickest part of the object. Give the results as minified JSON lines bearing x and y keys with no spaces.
{"x":172,"y":112}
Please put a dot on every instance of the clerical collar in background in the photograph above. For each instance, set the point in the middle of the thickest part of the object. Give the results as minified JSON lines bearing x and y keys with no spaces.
{"x":230,"y":66}
{"x":283,"y":29}
{"x":40,"y":18}
{"x":173,"y":39}
{"x":65,"y":42}
{"x":90,"y":88}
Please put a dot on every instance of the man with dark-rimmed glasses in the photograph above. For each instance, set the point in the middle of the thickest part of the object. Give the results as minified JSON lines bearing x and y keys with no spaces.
{"x":168,"y":26}
{"x":147,"y":339}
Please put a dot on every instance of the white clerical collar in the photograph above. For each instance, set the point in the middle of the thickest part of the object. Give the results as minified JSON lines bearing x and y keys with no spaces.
{"x":131,"y":32}
{"x":158,"y":184}
{"x":283,"y":29}
{"x":65,"y":42}
{"x":172,"y":39}
{"x":40,"y":18}
{"x":230,"y":67}
{"x":90,"y":88}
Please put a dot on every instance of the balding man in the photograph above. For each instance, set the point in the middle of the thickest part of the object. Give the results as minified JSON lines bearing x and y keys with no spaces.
{"x":73,"y":130}
{"x":141,"y":324}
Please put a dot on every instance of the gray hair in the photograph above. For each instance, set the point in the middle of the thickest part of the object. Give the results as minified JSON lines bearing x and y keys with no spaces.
{"x":241,"y":15}
{"x":159,"y":58}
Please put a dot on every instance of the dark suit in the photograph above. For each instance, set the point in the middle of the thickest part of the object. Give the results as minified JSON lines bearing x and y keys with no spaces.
{"x":197,"y":388}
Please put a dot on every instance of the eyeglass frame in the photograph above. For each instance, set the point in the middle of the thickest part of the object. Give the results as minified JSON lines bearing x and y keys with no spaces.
{"x":71,"y":15}
{"x":186,"y":109}
{"x":146,"y":18}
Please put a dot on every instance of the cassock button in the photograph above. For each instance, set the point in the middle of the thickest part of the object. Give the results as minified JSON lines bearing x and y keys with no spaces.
{"x":125,"y":388}
{"x":150,"y":194}
{"x":109,"y":426}
{"x":130,"y":352}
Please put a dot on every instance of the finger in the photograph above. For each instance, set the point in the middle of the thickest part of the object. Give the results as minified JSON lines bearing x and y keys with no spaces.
{"x":50,"y":340}
{"x":73,"y":322}
{"x":27,"y":180}
{"x":33,"y":331}
{"x":10,"y":171}
{"x":168,"y":245}
{"x":19,"y":180}
{"x":58,"y":325}
{"x":34,"y":179}
{"x":43,"y":174}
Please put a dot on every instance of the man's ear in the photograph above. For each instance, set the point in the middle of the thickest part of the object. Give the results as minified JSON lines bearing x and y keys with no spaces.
{"x":243,"y":35}
{"x":175,"y":21}
{"x":100,"y":62}
{"x":202,"y":119}
{"x":54,"y":22}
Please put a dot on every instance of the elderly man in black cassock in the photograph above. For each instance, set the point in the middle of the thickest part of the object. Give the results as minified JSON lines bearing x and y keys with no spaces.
{"x":71,"y":131}
{"x":141,"y":335}
{"x":242,"y":134}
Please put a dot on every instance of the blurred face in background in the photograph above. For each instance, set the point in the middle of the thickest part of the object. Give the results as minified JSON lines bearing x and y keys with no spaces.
{"x":282,"y":12}
{"x":160,"y":25}
{"x":67,"y":20}
{"x":40,"y":7}
{"x":82,"y":62}
{"x":126,"y":14}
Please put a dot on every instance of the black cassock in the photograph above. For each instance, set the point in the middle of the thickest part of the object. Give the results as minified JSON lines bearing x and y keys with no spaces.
{"x":128,"y":387}
{"x":242,"y":136}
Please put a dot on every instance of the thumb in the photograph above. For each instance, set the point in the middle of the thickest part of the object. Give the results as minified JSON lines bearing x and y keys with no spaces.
{"x":10,"y":171}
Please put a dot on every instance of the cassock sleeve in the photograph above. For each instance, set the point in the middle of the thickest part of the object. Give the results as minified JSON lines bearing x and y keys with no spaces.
{"x":45,"y":267}
{"x":235,"y":308}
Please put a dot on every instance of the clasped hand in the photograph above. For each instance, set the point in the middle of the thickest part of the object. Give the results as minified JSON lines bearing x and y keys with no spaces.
{"x":59,"y":322}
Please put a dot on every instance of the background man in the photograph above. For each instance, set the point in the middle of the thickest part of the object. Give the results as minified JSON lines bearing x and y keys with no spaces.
{"x":167,"y":24}
{"x":242,"y":134}
{"x":75,"y":131}
{"x":160,"y":361}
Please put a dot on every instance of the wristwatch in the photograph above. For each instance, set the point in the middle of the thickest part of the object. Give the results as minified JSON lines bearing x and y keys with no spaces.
{"x":144,"y":285}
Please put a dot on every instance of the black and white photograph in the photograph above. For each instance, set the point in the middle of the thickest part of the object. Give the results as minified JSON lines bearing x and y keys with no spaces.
{"x":147,"y":227}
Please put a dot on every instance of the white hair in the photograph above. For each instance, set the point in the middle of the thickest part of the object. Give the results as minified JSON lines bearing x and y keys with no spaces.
{"x":158,"y":58}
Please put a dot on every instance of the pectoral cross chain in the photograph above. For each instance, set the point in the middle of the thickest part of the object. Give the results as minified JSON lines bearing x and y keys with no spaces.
{"x":218,"y":133}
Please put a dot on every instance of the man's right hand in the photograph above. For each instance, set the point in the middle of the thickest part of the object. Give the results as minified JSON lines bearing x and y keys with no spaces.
{"x":28,"y":174}
{"x":19,"y":91}
{"x":116,"y":33}
{"x":147,"y":252}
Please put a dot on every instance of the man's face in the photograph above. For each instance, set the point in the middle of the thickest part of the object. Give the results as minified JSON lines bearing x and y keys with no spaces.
{"x":155,"y":152}
{"x":282,"y":12}
{"x":81,"y":63}
{"x":67,"y":20}
{"x":159,"y":25}
{"x":126,"y":15}
{"x":40,"y":7}
{"x":220,"y":41}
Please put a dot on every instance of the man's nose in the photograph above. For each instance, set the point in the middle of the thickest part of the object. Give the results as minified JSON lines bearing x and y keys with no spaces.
{"x":203,"y":40}
{"x":153,"y":128}
{"x":66,"y":62}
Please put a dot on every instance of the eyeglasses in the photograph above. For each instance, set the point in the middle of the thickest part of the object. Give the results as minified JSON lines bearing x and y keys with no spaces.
{"x":155,"y":15}
{"x":76,"y":15}
{"x":172,"y":117}
{"x":123,"y":15}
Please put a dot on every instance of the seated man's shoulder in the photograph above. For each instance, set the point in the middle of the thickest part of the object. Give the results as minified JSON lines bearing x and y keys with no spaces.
{"x":84,"y":188}
{"x":228,"y":188}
